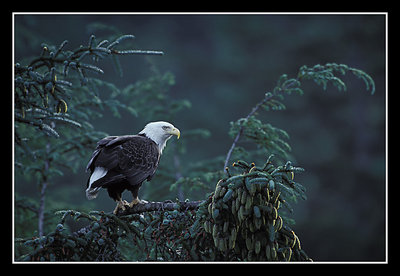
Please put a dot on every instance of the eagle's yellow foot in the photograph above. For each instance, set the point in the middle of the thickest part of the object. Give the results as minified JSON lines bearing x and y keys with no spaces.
{"x":137,"y":201}
{"x":121,"y":204}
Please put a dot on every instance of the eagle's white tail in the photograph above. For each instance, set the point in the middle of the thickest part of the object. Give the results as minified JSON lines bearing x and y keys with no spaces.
{"x":92,"y":193}
{"x":98,"y":173}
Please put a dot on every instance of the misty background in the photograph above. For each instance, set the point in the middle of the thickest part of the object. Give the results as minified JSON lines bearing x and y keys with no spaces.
{"x":223,"y":64}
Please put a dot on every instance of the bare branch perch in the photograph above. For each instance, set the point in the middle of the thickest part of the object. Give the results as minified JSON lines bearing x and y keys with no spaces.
{"x":161,"y":206}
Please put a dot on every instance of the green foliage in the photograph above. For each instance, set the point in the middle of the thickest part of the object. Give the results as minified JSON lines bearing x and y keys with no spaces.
{"x":239,"y":221}
{"x":243,"y":218}
{"x":55,"y":99}
{"x":324,"y":74}
{"x":44,"y":87}
{"x":96,"y":242}
{"x":272,"y":139}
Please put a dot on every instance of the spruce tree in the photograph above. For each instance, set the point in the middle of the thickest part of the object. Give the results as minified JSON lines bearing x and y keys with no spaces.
{"x":243,"y":218}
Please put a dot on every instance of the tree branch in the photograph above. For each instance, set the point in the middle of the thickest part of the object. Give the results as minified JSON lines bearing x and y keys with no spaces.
{"x":167,"y":205}
{"x":267,"y":98}
{"x":255,"y":108}
{"x":43,"y":193}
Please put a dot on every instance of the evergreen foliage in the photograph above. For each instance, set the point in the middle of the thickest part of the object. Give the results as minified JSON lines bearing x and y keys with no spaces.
{"x":242,"y":219}
{"x":49,"y":74}
{"x":55,"y":99}
{"x":239,"y":221}
{"x":272,"y":139}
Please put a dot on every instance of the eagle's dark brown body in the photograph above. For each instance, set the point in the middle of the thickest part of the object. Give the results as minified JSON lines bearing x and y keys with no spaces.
{"x":122,"y":163}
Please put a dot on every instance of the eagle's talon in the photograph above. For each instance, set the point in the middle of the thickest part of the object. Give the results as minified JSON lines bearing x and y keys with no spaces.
{"x":137,"y":201}
{"x":134,"y":202}
{"x":122,"y":204}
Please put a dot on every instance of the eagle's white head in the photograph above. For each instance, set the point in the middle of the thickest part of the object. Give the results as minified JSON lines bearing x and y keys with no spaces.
{"x":160,"y":132}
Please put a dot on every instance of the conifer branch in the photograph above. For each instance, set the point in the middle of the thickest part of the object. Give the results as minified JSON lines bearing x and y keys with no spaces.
{"x":268,"y":97}
{"x":219,"y":228}
{"x":167,"y":205}
{"x":268,"y":137}
{"x":255,"y":108}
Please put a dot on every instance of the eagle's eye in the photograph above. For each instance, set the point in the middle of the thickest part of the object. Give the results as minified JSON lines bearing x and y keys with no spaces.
{"x":166,"y":127}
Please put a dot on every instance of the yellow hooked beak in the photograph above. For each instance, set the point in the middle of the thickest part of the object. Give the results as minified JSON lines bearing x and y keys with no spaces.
{"x":176,"y":132}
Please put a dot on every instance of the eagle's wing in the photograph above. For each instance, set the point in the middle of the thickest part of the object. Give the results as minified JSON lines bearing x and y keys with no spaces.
{"x":132,"y":157}
{"x":100,"y":145}
{"x":138,"y":159}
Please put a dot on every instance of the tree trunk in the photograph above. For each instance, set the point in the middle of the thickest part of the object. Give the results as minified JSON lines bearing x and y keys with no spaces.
{"x":43,"y":194}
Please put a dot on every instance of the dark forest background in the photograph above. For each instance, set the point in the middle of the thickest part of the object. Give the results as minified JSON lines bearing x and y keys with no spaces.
{"x":222,"y":64}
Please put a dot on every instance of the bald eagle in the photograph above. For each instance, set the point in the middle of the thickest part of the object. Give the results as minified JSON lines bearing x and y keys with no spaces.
{"x":122,"y":163}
